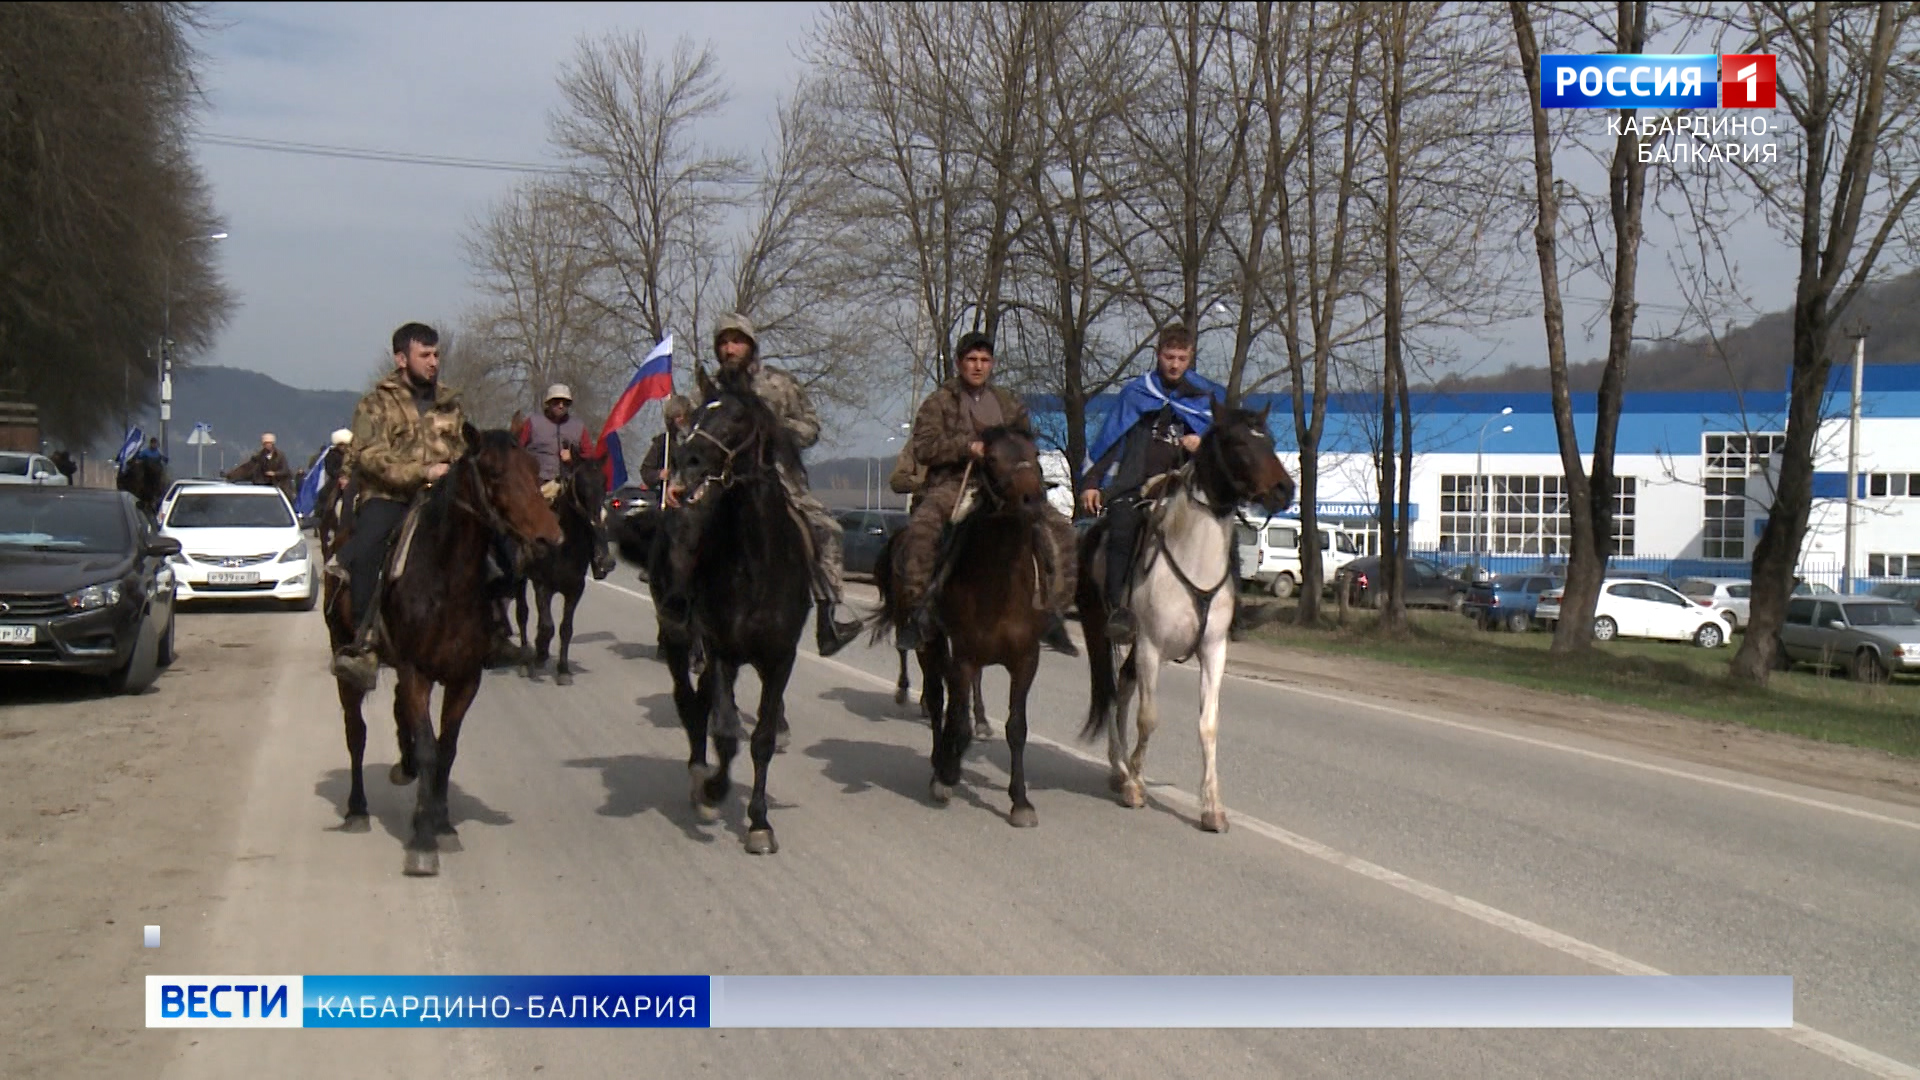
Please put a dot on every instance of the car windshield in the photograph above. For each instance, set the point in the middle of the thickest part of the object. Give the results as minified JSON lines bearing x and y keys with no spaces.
{"x":43,"y":522}
{"x":200,"y":510}
{"x":1882,"y":615}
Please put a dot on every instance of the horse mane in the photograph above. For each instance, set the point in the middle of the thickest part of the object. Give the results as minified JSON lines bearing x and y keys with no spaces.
{"x":439,"y":505}
{"x":782,"y":449}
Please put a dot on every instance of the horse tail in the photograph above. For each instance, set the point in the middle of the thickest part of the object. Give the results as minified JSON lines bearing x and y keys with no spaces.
{"x":1091,"y":599}
{"x":882,"y":621}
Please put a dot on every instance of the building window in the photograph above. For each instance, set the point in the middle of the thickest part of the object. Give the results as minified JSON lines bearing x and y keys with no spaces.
{"x":1893,"y":485}
{"x":1730,"y":460}
{"x":1523,"y":515}
{"x":1893,"y":566}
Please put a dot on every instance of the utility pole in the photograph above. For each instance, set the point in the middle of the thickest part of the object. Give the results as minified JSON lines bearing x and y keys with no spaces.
{"x":1859,"y":335}
{"x":166,"y":333}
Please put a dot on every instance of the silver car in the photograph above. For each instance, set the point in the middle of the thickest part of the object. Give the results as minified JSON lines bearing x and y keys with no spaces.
{"x":1871,"y":637}
{"x":1730,"y":594}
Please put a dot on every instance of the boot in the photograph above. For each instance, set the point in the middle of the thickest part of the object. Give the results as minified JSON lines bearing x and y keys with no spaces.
{"x":1055,"y":636}
{"x":1120,"y":626}
{"x":832,"y":634}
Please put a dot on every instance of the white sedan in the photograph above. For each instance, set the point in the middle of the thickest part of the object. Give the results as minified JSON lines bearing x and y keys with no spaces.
{"x":1629,"y":607}
{"x":240,"y":542}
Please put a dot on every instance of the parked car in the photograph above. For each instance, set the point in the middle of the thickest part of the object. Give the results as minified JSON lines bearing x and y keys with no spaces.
{"x":1425,"y":584}
{"x":21,"y":467}
{"x":1871,"y":637}
{"x":1636,"y":607}
{"x":866,"y":531}
{"x":1908,"y":592}
{"x":240,"y":542}
{"x":174,"y":489}
{"x":1734,"y":595}
{"x":1270,"y":556}
{"x":625,"y":504}
{"x":85,"y":586}
{"x":1507,"y":600}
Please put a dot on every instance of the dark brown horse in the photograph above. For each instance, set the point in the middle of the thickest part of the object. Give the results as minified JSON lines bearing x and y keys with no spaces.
{"x":146,"y":480}
{"x":435,"y":622}
{"x":563,"y":570}
{"x":986,"y":611}
{"x":903,"y":686}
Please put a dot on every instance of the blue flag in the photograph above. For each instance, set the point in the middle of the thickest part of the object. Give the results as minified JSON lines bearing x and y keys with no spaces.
{"x":308,"y":496}
{"x":129,"y":447}
{"x":616,"y":461}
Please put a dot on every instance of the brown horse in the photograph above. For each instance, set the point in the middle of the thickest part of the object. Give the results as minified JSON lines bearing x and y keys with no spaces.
{"x":435,"y":617}
{"x":987,"y":612}
{"x":903,"y":686}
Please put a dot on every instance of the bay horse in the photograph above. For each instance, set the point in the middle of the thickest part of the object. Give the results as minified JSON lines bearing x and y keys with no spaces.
{"x":563,"y":570}
{"x":749,"y":586}
{"x":435,"y":622}
{"x":1182,"y":597}
{"x":903,"y":685}
{"x":984,"y":603}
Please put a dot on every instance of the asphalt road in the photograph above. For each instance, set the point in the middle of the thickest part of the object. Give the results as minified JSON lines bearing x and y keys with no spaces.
{"x":1366,"y":839}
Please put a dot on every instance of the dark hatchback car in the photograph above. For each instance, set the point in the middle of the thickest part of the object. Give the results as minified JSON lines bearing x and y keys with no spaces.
{"x":84,"y":586}
{"x":1508,"y":600}
{"x":624,"y":507}
{"x":866,"y":531}
{"x":1426,"y":584}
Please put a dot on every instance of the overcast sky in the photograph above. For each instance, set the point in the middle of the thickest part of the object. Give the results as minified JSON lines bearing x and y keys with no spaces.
{"x":327,"y":256}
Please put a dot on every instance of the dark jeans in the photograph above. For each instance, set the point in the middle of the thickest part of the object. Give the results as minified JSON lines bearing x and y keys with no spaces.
{"x":374,"y":524}
{"x":1124,"y":518}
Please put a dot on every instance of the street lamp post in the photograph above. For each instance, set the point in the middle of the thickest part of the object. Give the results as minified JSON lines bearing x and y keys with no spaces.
{"x":166,"y":332}
{"x":1479,"y":481}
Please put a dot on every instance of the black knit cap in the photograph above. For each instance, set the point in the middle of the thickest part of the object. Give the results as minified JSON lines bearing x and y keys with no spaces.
{"x":973,"y":340}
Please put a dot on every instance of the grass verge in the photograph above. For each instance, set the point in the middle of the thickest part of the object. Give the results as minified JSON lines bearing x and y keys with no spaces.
{"x":1669,"y":677}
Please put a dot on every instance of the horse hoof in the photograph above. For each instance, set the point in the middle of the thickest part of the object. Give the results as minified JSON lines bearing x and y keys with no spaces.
{"x":444,"y":828}
{"x":899,"y":697}
{"x":400,"y":775}
{"x":1214,"y":821}
{"x":1131,"y":797}
{"x":565,"y":678}
{"x":781,"y":740}
{"x":1023,"y":817}
{"x":983,"y":730}
{"x":761,"y":842}
{"x":356,"y":823}
{"x":1116,"y":783}
{"x":941,"y":793}
{"x":526,"y":671}
{"x":707,"y":812}
{"x":423,"y":863}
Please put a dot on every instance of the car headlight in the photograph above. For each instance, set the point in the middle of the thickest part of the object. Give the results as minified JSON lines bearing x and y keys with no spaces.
{"x":296,"y":553}
{"x":94,"y":597}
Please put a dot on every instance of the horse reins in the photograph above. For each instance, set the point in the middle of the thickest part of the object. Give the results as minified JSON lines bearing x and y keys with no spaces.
{"x":1183,"y":480}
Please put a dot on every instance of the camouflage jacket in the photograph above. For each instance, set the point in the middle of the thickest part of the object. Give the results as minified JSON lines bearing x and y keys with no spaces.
{"x":394,"y":445}
{"x":942,"y":429}
{"x":788,"y":400}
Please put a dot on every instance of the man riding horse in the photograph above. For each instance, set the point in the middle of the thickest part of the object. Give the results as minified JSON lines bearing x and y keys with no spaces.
{"x":556,"y":438}
{"x":407,"y":432}
{"x":1151,"y":432}
{"x":946,"y":442}
{"x":738,"y":350}
{"x":677,"y":411}
{"x":267,"y":467}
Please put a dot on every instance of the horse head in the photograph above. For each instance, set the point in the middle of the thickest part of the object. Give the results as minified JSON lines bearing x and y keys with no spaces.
{"x":585,"y":484}
{"x":1237,"y":464}
{"x":1011,"y":470}
{"x":734,"y":436}
{"x":502,"y":483}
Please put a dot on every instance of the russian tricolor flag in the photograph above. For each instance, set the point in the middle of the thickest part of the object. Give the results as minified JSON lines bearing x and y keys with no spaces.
{"x":653,"y":381}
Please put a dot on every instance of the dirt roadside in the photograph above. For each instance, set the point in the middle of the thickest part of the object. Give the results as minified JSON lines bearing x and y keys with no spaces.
{"x":116,"y":813}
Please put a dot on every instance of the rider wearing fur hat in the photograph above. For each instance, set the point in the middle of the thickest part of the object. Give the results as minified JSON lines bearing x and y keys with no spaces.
{"x":737,"y":348}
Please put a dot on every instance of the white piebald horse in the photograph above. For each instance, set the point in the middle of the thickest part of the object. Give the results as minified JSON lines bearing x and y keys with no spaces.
{"x":1182,"y":597}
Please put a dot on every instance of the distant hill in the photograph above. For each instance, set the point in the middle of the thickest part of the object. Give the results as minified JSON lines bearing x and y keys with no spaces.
{"x":1757,"y":356}
{"x":240,"y":405}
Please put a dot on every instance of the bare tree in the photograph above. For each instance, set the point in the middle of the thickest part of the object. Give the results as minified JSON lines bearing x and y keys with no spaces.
{"x":655,"y":197}
{"x":1845,"y":75}
{"x":1590,"y":496}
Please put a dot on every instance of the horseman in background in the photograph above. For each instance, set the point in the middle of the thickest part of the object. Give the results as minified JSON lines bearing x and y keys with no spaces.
{"x":946,"y":443}
{"x":1152,"y":431}
{"x":556,"y":438}
{"x":267,"y":467}
{"x":737,"y":349}
{"x":677,"y":411}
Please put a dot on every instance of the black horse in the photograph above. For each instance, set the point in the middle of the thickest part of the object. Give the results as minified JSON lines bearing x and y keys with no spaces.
{"x":749,"y":587}
{"x":563,"y":570}
{"x":436,"y":623}
{"x":145,"y":479}
{"x":903,"y":686}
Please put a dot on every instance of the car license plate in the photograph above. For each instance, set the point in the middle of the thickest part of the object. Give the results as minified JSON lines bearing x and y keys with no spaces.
{"x":17,"y":635}
{"x":233,"y":577}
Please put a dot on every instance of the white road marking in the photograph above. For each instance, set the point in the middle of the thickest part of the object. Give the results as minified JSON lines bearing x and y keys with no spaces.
{"x":1813,"y":1039}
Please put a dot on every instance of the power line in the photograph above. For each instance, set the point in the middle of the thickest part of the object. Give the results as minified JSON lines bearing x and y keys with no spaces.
{"x":360,"y":153}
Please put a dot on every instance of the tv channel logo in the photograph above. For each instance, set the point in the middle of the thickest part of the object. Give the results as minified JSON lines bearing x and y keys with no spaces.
{"x":1702,"y":81}
{"x":209,"y":1001}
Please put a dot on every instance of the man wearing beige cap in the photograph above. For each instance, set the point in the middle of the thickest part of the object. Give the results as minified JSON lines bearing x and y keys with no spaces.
{"x":555,"y":437}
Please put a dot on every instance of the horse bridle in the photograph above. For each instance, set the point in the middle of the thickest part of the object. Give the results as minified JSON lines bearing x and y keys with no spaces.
{"x":724,"y":477}
{"x":1184,"y":479}
{"x":486,"y":512}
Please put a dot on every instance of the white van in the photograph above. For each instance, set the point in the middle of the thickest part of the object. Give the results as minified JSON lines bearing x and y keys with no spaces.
{"x":1270,"y":557}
